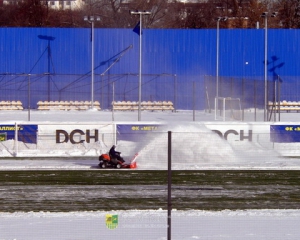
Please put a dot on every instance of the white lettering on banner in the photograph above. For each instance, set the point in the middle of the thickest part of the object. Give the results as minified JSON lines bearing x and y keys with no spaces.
{"x":234,"y":132}
{"x":62,"y":136}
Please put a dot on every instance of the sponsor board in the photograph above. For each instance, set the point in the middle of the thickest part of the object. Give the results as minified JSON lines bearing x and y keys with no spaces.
{"x":134,"y":132}
{"x":26,"y":133}
{"x":77,"y":134}
{"x":285,"y":133}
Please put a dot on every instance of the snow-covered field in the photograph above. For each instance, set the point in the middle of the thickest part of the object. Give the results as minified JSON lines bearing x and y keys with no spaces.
{"x":265,"y":224}
{"x":152,"y":224}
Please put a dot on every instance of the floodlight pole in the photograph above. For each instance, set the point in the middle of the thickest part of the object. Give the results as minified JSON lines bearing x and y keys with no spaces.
{"x":29,"y":97}
{"x":265,"y":16}
{"x":141,"y":13}
{"x":113,"y":111}
{"x":217,"y":63}
{"x":91,"y":20}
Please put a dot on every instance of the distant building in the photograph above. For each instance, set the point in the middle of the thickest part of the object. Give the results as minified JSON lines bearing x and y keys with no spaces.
{"x":55,"y":4}
{"x":222,"y":5}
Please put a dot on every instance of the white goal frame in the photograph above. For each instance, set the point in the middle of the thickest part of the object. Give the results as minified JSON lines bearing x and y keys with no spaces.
{"x":224,"y":105}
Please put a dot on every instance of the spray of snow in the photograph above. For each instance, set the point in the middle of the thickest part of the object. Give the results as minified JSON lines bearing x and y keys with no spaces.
{"x":192,"y":144}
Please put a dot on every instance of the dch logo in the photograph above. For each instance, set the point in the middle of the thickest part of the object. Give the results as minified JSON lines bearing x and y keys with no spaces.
{"x":241,"y":133}
{"x":77,"y":132}
{"x":111,"y":221}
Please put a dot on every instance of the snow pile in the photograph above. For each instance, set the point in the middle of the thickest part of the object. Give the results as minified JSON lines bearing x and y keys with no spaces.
{"x":196,"y":147}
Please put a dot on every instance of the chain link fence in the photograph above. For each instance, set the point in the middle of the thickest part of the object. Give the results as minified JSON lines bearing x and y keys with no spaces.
{"x":251,"y":93}
{"x":197,"y":93}
{"x":31,"y":88}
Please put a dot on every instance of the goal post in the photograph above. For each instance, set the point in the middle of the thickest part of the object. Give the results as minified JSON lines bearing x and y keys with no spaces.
{"x":230,"y":108}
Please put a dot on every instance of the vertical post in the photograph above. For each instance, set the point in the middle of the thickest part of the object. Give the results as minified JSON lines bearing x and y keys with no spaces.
{"x":29,"y":97}
{"x":217,"y":61}
{"x":16,"y":140}
{"x":243,"y":98}
{"x":49,"y":56}
{"x":265,"y":16}
{"x":224,"y":110}
{"x":169,"y":182}
{"x":255,"y":100}
{"x":92,"y":70}
{"x":265,"y":69}
{"x":216,"y":108}
{"x":194,"y":101}
{"x":217,"y":68}
{"x":279,"y":96}
{"x":231,"y":86}
{"x":113,"y":112}
{"x":275,"y":99}
{"x":207,"y":105}
{"x":141,"y":13}
{"x":102,"y":89}
{"x":175,"y":92}
{"x":91,"y":20}
{"x":140,"y":71}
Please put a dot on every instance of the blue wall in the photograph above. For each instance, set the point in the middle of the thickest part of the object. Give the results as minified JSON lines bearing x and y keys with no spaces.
{"x":188,"y":54}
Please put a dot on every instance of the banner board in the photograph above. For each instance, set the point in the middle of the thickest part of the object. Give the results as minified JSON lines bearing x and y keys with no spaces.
{"x":134,"y":132}
{"x":285,"y":133}
{"x":26,"y":133}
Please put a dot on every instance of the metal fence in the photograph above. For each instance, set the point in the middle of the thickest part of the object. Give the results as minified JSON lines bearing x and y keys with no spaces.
{"x":195,"y":94}
{"x":251,"y":93}
{"x":31,"y":88}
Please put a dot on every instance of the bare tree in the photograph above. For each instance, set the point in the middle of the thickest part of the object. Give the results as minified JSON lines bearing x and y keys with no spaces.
{"x":64,"y":18}
{"x":164,"y":14}
{"x":158,"y":8}
{"x":30,"y":13}
{"x":242,"y":13}
{"x":288,"y":13}
{"x":190,"y":15}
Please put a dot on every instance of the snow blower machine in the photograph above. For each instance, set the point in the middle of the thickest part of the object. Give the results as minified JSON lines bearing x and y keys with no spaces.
{"x":106,"y":161}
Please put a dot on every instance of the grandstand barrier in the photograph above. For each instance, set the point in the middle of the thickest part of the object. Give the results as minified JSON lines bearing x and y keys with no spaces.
{"x":145,"y":106}
{"x":83,"y":139}
{"x":11,"y":105}
{"x":284,"y":106}
{"x":67,"y":105}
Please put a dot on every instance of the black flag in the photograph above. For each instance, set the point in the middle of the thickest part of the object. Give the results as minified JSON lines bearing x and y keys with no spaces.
{"x":137,"y":28}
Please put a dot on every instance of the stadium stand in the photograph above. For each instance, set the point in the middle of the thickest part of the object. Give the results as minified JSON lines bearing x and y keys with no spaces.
{"x":11,"y":105}
{"x":145,"y":105}
{"x":67,"y":105}
{"x":285,"y":106}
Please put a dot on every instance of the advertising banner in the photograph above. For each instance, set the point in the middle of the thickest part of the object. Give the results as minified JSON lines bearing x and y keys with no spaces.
{"x":74,"y":134}
{"x":26,"y":133}
{"x":285,"y":133}
{"x":135,"y":132}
